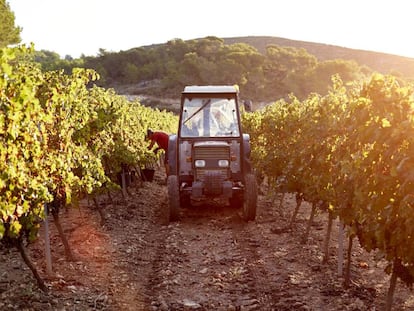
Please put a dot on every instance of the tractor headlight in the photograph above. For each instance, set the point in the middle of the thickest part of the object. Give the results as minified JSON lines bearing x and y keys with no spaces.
{"x":223,"y":163}
{"x":200,"y":163}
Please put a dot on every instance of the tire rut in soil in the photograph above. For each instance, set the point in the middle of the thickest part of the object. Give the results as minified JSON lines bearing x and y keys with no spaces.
{"x":261,"y":292}
{"x":208,"y":260}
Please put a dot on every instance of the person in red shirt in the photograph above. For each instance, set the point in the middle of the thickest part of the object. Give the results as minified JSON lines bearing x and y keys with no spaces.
{"x":161,"y":138}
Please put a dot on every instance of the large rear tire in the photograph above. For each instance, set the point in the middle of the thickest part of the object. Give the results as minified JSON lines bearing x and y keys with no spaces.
{"x":236,"y":201}
{"x":250,"y":197}
{"x":173,"y":197}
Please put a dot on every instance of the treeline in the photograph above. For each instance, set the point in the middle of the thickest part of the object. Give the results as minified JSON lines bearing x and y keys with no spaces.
{"x":163,"y":70}
{"x":62,"y":137}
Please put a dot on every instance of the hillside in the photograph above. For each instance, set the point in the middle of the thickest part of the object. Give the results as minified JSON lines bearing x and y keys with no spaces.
{"x":382,"y":62}
{"x":265,"y":75}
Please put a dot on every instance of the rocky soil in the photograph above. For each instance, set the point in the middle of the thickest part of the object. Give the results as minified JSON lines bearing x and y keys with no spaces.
{"x":209,"y":260}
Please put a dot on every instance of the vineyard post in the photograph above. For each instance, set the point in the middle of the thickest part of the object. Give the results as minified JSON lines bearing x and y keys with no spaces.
{"x":340,"y":248}
{"x":123,"y":182}
{"x":49,"y":270}
{"x":48,"y":256}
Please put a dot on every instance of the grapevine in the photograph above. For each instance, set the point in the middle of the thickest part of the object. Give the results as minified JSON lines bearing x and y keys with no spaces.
{"x":58,"y":133}
{"x":352,"y":150}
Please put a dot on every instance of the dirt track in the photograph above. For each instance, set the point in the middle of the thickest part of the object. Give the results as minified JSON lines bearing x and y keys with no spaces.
{"x":209,"y":260}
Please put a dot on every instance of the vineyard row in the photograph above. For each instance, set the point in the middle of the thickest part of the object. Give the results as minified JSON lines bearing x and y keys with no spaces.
{"x":62,"y":137}
{"x":351,"y":153}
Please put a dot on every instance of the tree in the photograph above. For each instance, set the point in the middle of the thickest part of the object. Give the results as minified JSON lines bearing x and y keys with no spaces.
{"x":9,"y":32}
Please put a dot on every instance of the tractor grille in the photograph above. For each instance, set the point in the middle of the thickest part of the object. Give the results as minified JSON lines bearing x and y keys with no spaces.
{"x":211,"y":154}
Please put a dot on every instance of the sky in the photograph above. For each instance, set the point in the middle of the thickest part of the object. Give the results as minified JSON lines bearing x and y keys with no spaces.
{"x":83,"y":27}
